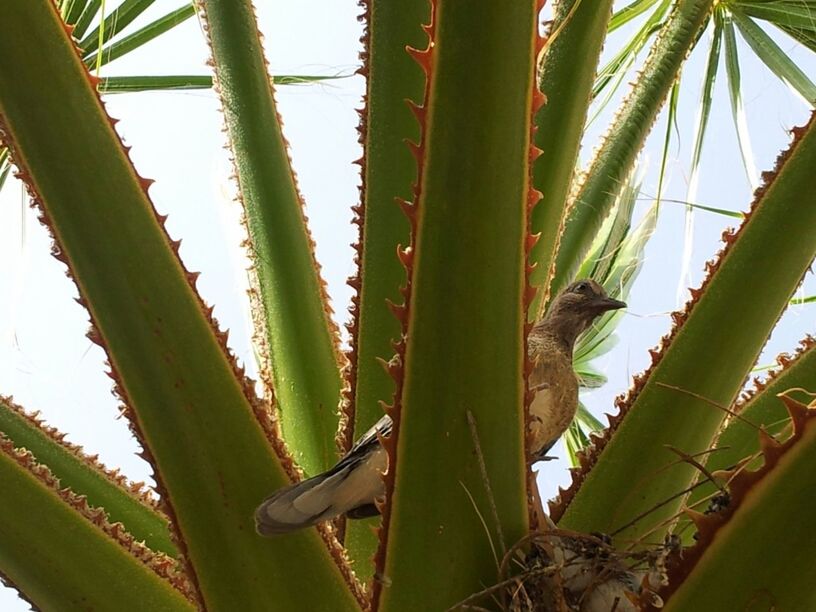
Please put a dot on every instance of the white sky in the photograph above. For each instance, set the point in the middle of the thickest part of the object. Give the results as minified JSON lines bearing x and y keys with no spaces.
{"x":47,"y":364}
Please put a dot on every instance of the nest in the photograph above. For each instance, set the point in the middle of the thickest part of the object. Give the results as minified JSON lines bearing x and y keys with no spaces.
{"x":557,"y":570}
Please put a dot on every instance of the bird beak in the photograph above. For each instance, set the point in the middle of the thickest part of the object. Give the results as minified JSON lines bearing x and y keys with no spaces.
{"x":608,"y":303}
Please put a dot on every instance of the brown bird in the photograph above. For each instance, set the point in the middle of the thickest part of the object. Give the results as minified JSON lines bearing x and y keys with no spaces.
{"x":351,"y":486}
{"x":550,"y":345}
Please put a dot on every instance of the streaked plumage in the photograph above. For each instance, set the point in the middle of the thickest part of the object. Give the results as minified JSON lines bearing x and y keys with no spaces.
{"x":351,"y":486}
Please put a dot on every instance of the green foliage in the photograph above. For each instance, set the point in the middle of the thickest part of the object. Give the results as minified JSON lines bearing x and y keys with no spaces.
{"x":466,"y":281}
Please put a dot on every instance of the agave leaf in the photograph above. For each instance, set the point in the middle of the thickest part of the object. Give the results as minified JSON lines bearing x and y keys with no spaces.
{"x":51,"y":543}
{"x":123,"y":503}
{"x":207,"y":437}
{"x":466,"y":356}
{"x":760,"y":409}
{"x":731,"y":564}
{"x":388,"y":172}
{"x":297,"y":338}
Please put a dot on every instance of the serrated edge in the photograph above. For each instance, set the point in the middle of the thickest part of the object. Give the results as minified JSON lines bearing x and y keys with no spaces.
{"x":534,"y":196}
{"x":247,"y":385}
{"x":265,"y":410}
{"x":394,"y":367}
{"x":163,"y":566}
{"x":348,"y":403}
{"x":740,"y":483}
{"x":260,"y":332}
{"x":137,"y":490}
{"x":783,"y":362}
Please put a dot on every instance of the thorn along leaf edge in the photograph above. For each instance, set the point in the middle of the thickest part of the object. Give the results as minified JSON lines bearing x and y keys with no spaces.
{"x":395,"y":367}
{"x":165,"y":567}
{"x":740,"y":484}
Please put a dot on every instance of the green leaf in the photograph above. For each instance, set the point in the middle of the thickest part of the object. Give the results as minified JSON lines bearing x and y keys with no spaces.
{"x":197,"y":418}
{"x":804,"y":37}
{"x":58,"y":557}
{"x":703,"y":113}
{"x":5,"y":166}
{"x":114,"y":23}
{"x":629,"y":12}
{"x":89,"y":12}
{"x":732,"y":70}
{"x":589,"y":378}
{"x":609,"y":240}
{"x":727,"y":332}
{"x":775,"y":58}
{"x":734,"y":214}
{"x":388,"y":172}
{"x":617,"y":154}
{"x":130,"y":84}
{"x":794,"y":13}
{"x":615,"y":69}
{"x":579,"y":29}
{"x":704,"y":109}
{"x":141,"y":36}
{"x":73,"y":9}
{"x":740,"y":439}
{"x":762,"y":558}
{"x":133,"y":84}
{"x":464,"y":356}
{"x":624,"y":262}
{"x":585,"y":417}
{"x":671,"y":122}
{"x":575,"y":439}
{"x":86,"y":477}
{"x":291,"y":314}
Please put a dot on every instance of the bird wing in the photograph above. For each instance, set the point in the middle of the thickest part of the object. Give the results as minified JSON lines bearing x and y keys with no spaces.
{"x":354,"y":482}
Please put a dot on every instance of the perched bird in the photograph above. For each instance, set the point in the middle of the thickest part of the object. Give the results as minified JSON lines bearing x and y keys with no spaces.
{"x":550,"y":345}
{"x":351,"y":486}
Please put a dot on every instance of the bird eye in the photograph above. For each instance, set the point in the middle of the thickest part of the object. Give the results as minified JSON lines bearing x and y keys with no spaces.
{"x":581,"y":287}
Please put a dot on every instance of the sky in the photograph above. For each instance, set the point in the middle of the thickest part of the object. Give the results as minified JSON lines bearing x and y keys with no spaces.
{"x":47,"y":364}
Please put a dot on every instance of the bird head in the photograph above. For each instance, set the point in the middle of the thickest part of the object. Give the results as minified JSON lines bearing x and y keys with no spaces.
{"x":576,"y":307}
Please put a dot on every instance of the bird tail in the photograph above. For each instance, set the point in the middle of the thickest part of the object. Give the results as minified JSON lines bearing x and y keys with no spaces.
{"x":351,"y":487}
{"x":300,"y":505}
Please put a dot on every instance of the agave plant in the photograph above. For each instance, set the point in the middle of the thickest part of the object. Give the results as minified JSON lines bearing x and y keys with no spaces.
{"x":492,"y":220}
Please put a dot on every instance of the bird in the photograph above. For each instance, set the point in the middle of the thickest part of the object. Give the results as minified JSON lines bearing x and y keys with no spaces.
{"x":353,"y":485}
{"x":550,"y":346}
